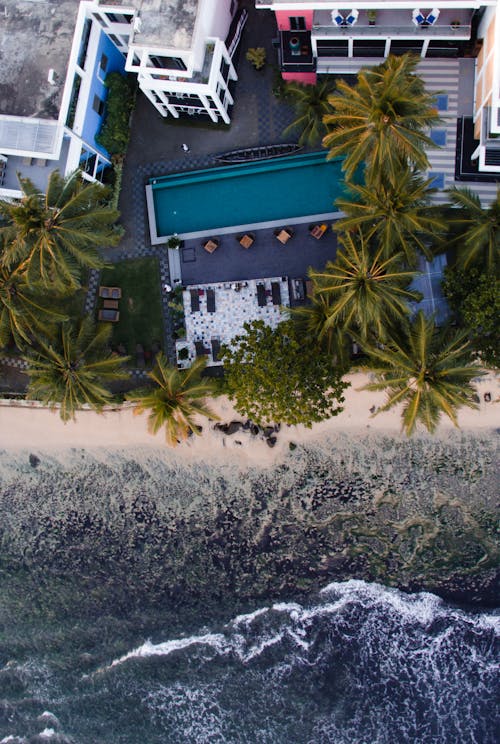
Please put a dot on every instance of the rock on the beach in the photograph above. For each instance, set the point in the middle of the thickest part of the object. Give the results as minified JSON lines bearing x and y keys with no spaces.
{"x":271,"y":441}
{"x":233,"y":427}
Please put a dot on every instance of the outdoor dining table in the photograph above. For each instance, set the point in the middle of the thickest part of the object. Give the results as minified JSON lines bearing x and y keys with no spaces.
{"x":210,"y":246}
{"x":283,"y":236}
{"x":246,"y":241}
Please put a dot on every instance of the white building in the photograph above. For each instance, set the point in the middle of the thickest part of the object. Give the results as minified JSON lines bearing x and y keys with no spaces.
{"x":55,"y":58}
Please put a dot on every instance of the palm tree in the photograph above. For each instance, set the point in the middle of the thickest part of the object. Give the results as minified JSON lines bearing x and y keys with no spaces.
{"x":425,"y":369}
{"x":313,"y":322}
{"x":23,"y":313}
{"x":398,"y":218}
{"x":365,"y":291}
{"x":382,"y":120}
{"x":55,"y":234}
{"x":479,"y":229}
{"x":72,"y":367}
{"x":173,"y":404}
{"x":311,"y":105}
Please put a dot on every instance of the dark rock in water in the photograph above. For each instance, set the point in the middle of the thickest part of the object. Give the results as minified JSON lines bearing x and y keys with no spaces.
{"x":34,"y":461}
{"x":292,"y":446}
{"x":271,"y":441}
{"x":233,"y":427}
{"x":268,"y":431}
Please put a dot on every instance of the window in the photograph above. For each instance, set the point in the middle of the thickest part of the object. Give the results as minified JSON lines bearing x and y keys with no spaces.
{"x":168,"y":63}
{"x":103,"y":63}
{"x":116,"y":41}
{"x":438,"y":136}
{"x":442,"y":102}
{"x":437,"y":180}
{"x":82,"y":56}
{"x":297,"y":23}
{"x":98,"y":105}
{"x":119,"y":18}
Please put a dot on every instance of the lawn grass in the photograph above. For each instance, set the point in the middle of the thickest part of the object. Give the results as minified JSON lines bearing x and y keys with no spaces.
{"x":141,"y":319}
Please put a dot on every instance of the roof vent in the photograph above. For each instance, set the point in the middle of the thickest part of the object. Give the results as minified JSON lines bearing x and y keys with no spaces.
{"x":52,"y":76}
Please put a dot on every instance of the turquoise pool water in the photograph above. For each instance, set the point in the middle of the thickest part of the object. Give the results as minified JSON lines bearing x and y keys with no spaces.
{"x":281,"y":189}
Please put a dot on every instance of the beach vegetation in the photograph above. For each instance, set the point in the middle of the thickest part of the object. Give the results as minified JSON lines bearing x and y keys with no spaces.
{"x":366,"y":291}
{"x":311,"y":105}
{"x":24,"y":311}
{"x":474,"y":298}
{"x":51,"y":236}
{"x":425,"y":369}
{"x":275,"y":375}
{"x":72,"y":367}
{"x":313,"y":321}
{"x":175,"y":401}
{"x":382,"y":121}
{"x":477,"y":230}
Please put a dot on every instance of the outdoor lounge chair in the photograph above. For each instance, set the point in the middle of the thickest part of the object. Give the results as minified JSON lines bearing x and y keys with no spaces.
{"x":109,"y":316}
{"x":246,"y":240}
{"x":261,"y":295}
{"x":200,"y":349}
{"x":110,"y":293}
{"x":195,"y":300}
{"x":276,"y":293}
{"x":215,"y":349}
{"x":210,"y":301}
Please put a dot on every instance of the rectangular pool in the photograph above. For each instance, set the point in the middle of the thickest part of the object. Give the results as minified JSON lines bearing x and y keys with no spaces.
{"x":237,"y":196}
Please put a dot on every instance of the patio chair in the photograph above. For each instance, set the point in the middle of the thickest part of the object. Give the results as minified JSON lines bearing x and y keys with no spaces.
{"x":283,"y":234}
{"x":418,"y":17}
{"x":210,"y":301}
{"x":337,"y":18}
{"x":195,"y":300}
{"x":352,"y":17}
{"x":261,"y":295}
{"x":433,"y":16}
{"x":276,"y":293}
{"x":215,"y":349}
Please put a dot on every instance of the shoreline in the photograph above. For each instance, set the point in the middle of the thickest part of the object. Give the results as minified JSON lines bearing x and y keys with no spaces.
{"x":28,"y":426}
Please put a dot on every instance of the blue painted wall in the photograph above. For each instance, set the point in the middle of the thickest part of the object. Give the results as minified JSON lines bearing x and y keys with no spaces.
{"x":116,"y":63}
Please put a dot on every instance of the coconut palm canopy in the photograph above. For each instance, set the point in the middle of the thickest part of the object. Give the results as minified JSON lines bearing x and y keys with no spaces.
{"x":313,"y":322}
{"x":479,"y":229}
{"x":311,"y":105}
{"x":23,"y":312}
{"x":175,"y":401}
{"x":382,"y":120}
{"x":365,"y":290}
{"x":52,"y":235}
{"x":426,"y":369}
{"x":72,"y":367}
{"x":399,"y":218}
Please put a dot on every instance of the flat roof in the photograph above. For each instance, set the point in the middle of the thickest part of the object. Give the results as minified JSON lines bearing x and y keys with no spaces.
{"x":165,"y":23}
{"x":35,"y":36}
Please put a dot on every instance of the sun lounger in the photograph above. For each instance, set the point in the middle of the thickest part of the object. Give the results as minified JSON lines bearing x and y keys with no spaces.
{"x":215,"y":349}
{"x":109,"y":316}
{"x":201,"y":349}
{"x":195,"y":301}
{"x":276,"y":293}
{"x":110,"y":293}
{"x":261,"y":295}
{"x":210,"y":301}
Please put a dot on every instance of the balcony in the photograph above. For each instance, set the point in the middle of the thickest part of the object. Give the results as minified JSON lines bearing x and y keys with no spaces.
{"x":395,"y":24}
{"x":296,"y":51}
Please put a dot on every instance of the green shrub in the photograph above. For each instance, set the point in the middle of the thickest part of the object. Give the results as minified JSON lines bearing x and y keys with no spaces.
{"x":115,"y":131}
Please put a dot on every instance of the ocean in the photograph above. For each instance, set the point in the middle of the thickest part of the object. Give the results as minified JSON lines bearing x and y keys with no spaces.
{"x":145,"y":600}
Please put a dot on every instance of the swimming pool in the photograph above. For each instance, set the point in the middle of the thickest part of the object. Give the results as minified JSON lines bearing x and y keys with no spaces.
{"x":235,"y":196}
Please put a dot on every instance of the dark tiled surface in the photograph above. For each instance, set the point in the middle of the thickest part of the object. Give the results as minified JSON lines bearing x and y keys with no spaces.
{"x":266,"y":257}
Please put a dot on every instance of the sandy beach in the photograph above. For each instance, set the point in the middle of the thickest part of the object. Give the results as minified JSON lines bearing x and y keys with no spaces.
{"x":24,"y":426}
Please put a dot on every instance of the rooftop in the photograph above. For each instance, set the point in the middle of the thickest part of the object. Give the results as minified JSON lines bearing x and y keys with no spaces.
{"x":35,"y":37}
{"x":165,"y":23}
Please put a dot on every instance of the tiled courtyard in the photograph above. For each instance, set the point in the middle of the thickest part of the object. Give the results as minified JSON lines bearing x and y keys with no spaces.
{"x":233,"y":304}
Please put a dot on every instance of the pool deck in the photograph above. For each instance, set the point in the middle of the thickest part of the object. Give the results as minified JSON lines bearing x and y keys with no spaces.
{"x":266,"y":257}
